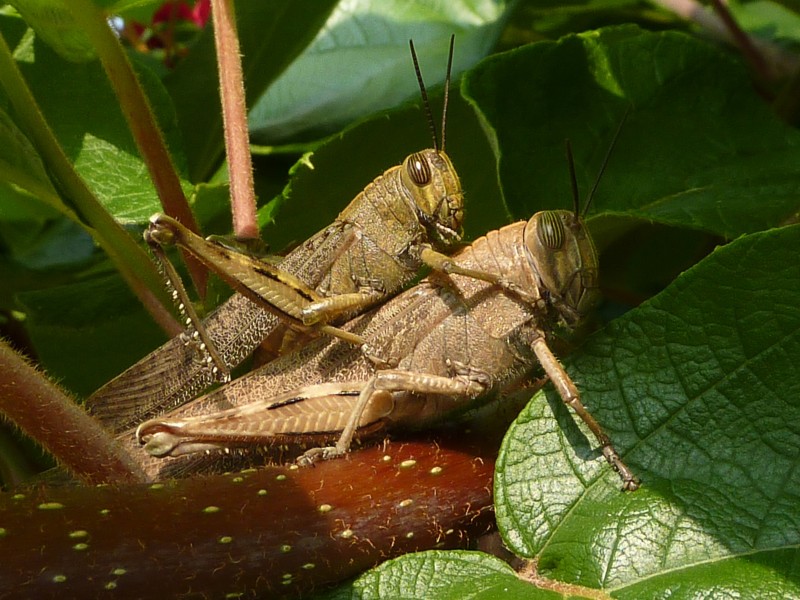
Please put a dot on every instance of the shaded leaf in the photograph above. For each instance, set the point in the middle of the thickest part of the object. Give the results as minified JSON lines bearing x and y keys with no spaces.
{"x":699,"y":148}
{"x":98,"y":140}
{"x":769,"y":20}
{"x":53,"y":23}
{"x":87,"y":332}
{"x":23,"y":177}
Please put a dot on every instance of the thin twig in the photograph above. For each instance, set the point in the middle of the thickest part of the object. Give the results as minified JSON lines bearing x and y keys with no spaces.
{"x":780,"y":63}
{"x":234,"y":117}
{"x":141,"y":120}
{"x":46,"y":414}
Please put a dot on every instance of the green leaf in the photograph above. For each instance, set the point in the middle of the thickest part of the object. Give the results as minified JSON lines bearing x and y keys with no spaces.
{"x":53,"y":23}
{"x":360,"y":64}
{"x":768,"y":20}
{"x":271,"y":35}
{"x":699,"y":148}
{"x":551,"y":19}
{"x":23,"y":177}
{"x":698,"y":388}
{"x":133,"y":9}
{"x":441,"y":575}
{"x":87,"y":332}
{"x":81,"y":108}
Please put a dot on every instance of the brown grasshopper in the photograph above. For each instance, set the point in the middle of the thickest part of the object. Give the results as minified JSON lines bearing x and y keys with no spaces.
{"x":447,"y":343}
{"x":376,"y":246}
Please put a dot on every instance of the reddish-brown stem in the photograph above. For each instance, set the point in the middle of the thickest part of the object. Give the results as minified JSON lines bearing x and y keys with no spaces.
{"x":141,"y":120}
{"x":234,"y":117}
{"x":45,"y":413}
{"x":743,"y":41}
{"x":778,"y":62}
{"x":268,"y":533}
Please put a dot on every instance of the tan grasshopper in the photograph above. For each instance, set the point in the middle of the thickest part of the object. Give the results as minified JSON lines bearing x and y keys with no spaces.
{"x":376,"y":246}
{"x":448,"y":343}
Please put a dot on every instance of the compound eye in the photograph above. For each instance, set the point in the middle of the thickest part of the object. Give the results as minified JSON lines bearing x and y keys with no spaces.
{"x":418,"y":169}
{"x":551,"y":230}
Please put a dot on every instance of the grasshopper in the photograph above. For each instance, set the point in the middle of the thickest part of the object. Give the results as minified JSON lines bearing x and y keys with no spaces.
{"x":375,"y":247}
{"x":447,"y":343}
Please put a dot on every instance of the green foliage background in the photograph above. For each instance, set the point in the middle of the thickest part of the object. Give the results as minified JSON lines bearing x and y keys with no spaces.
{"x":693,"y":364}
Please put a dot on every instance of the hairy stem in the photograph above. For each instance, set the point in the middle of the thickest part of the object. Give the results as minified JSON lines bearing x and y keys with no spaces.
{"x":46,"y":414}
{"x":234,"y":118}
{"x":139,"y":115}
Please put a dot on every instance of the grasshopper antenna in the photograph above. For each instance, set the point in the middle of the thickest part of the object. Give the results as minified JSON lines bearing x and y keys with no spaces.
{"x":576,"y":201}
{"x":424,"y":93}
{"x":447,"y":87}
{"x":605,"y":162}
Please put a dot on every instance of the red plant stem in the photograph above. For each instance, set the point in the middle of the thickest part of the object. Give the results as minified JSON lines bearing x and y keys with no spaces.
{"x":778,"y":62}
{"x":141,"y":120}
{"x":745,"y":44}
{"x":234,"y":118}
{"x":46,"y":414}
{"x":273,"y":532}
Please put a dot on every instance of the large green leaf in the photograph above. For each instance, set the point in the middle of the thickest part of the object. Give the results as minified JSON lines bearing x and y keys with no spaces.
{"x":359,"y":63}
{"x":442,"y":575}
{"x":699,"y":148}
{"x":699,"y":390}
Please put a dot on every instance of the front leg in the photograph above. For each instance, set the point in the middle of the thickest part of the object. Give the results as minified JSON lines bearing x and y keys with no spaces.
{"x":571,"y":397}
{"x":195,"y":334}
{"x":444,"y":264}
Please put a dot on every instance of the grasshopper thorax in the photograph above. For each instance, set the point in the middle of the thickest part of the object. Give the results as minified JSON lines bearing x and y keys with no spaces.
{"x":563,"y":256}
{"x":435,"y":191}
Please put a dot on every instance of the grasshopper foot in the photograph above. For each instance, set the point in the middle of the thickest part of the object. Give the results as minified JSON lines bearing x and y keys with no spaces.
{"x":309,"y":457}
{"x":375,"y":358}
{"x":469,"y":374}
{"x":630,"y":483}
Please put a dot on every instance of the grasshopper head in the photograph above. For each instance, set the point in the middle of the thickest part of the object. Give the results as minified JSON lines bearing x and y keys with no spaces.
{"x":563,"y":255}
{"x":435,"y":190}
